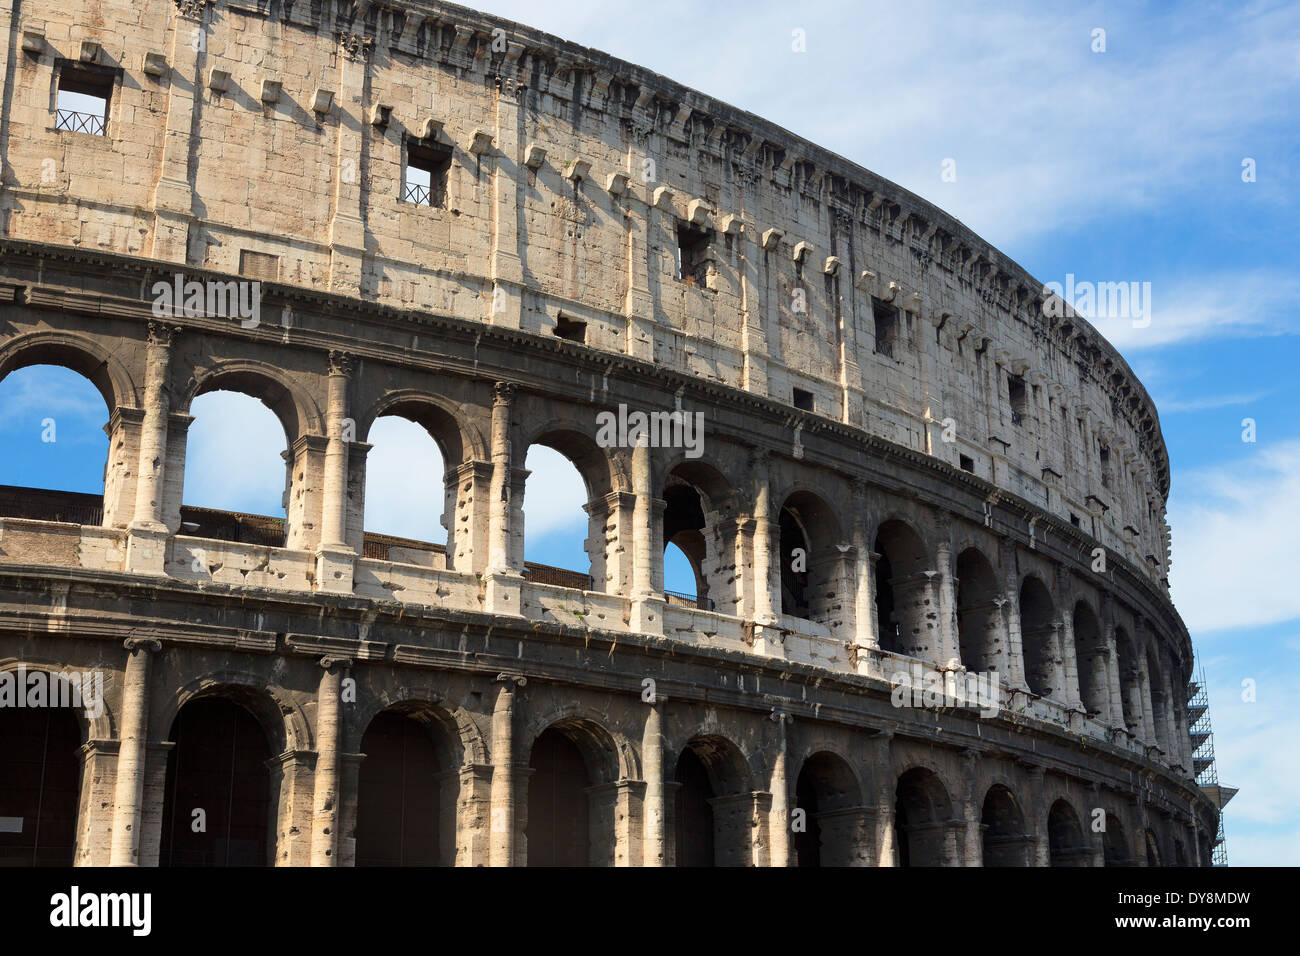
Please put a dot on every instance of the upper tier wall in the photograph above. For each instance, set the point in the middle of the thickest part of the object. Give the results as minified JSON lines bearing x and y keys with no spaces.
{"x":283,"y":129}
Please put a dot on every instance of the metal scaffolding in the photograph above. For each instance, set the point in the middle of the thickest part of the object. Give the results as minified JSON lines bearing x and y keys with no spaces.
{"x":1203,"y":767}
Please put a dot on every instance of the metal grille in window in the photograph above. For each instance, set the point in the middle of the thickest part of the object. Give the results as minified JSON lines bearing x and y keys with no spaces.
{"x":420,"y":195}
{"x":75,"y":122}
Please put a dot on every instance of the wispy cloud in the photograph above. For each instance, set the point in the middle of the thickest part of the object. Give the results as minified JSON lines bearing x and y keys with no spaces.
{"x":1209,"y":402}
{"x":1236,"y":541}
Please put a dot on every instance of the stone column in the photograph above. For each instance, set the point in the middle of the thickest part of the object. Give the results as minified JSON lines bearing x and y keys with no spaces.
{"x":325,"y":800}
{"x":638,"y":217}
{"x":173,"y":199}
{"x":128,"y":790}
{"x":647,"y":602}
{"x":864,"y":596}
{"x":886,"y":787}
{"x":1070,"y":663}
{"x":1098,"y":837}
{"x":504,"y":835}
{"x":505,"y":266}
{"x":949,"y":643}
{"x":1144,"y":690}
{"x":347,"y":239}
{"x":1035,"y":814}
{"x":779,"y":819}
{"x":334,"y":559}
{"x":753,"y":335}
{"x":654,"y":815}
{"x":503,"y":578}
{"x":974,"y":811}
{"x":146,"y":543}
{"x":765,"y":601}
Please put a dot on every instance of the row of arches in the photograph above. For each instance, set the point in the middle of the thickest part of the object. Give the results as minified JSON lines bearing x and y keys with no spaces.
{"x":221,"y":798}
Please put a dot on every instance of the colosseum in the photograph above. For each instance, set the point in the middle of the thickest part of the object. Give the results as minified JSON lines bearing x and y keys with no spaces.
{"x":925,"y":504}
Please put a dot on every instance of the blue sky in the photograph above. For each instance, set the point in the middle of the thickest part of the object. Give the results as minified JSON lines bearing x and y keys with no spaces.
{"x":1122,"y":165}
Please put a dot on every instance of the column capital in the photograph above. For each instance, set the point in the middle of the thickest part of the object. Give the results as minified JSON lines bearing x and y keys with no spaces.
{"x":151,"y":644}
{"x":503,"y":392}
{"x":163,"y":334}
{"x":341,"y":362}
{"x":510,"y":681}
{"x":780,"y":716}
{"x":192,"y":9}
{"x":327,"y":663}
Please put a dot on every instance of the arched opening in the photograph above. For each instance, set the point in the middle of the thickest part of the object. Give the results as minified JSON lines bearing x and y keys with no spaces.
{"x":1005,"y":842}
{"x":408,"y":503}
{"x":1153,"y":849}
{"x":834,"y":832}
{"x":903,"y":598}
{"x":1091,"y":655}
{"x":42,"y":781}
{"x":217,"y":806}
{"x":922,"y":820}
{"x":1115,"y":848}
{"x":1065,"y":842}
{"x":1159,"y":701}
{"x":558,"y":828}
{"x":238,"y":471}
{"x":565,"y":513}
{"x":1038,"y":637}
{"x":711,"y":807}
{"x":54,"y":462}
{"x":1130,"y":681}
{"x":406,"y":792}
{"x":696,"y":497}
{"x":812,"y":571}
{"x":979,"y":614}
{"x":1180,"y":853}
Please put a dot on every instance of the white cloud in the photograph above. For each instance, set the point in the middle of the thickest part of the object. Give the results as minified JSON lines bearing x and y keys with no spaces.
{"x":1209,"y":402}
{"x":404,"y":482}
{"x":554,"y":495}
{"x":232,"y":455}
{"x":1047,"y":135}
{"x":1236,"y":542}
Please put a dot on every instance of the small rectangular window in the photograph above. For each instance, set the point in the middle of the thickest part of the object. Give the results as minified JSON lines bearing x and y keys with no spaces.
{"x":886,"y":317}
{"x":571,"y":329}
{"x":424,"y":178}
{"x":803,"y":399}
{"x":259,"y":265}
{"x":693,"y":255}
{"x":1074,"y":520}
{"x":1019,"y":398}
{"x":967,"y":463}
{"x":81,"y":105}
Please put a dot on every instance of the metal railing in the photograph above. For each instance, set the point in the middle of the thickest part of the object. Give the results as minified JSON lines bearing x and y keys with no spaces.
{"x":420,"y":195}
{"x":75,"y":122}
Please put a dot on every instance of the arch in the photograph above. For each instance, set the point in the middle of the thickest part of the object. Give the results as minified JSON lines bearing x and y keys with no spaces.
{"x":1038,"y":632}
{"x":40,"y":753}
{"x":597,"y":473}
{"x":1115,"y":845}
{"x":1091,"y":656}
{"x":608,"y":757}
{"x":297,"y":412}
{"x":1004,"y":841}
{"x":600,"y":471}
{"x":446,"y":422}
{"x":1130,"y":681}
{"x":281,"y":719}
{"x":78,"y":353}
{"x":812,"y":571}
{"x":558,"y":828}
{"x":407,"y":788}
{"x":1065,"y":842}
{"x":1180,"y":853}
{"x":711,"y":807}
{"x":980,"y":625}
{"x":459,"y":741}
{"x":835,"y":831}
{"x":696,"y":496}
{"x":218,"y":773}
{"x":902,"y":589}
{"x":1160,"y":715}
{"x":922,"y":820}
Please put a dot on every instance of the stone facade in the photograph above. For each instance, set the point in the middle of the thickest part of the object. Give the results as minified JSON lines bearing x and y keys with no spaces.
{"x":974,"y":485}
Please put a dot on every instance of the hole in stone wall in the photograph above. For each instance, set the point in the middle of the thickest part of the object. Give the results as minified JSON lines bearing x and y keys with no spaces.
{"x":424,"y":179}
{"x":693,"y":254}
